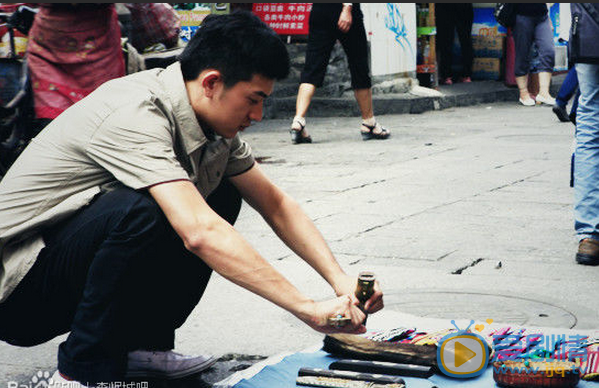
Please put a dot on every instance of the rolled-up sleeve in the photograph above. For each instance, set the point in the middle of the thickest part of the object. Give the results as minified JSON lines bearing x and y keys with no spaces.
{"x":136,"y":145}
{"x":240,"y":157}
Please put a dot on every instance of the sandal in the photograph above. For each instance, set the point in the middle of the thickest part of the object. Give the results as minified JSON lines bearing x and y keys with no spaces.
{"x":296,"y":134}
{"x":384,"y":134}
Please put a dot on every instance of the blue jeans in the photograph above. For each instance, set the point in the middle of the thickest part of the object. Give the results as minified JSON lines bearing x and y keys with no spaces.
{"x":568,"y":88}
{"x":586,"y":168}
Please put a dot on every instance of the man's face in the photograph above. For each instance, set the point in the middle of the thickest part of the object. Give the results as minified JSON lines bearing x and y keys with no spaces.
{"x":234,"y":109}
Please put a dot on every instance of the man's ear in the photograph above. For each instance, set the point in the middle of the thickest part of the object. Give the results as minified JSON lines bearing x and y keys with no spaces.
{"x":211,"y":81}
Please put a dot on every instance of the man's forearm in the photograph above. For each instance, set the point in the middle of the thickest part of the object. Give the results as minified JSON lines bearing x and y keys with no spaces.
{"x":245,"y":267}
{"x":293,"y":226}
{"x":221,"y":247}
{"x":300,"y":234}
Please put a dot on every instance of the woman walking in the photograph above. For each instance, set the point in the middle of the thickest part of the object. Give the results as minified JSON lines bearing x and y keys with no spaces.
{"x":533,"y":25}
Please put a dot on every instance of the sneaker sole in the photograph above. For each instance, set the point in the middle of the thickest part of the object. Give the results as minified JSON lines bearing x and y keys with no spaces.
{"x":174,"y":375}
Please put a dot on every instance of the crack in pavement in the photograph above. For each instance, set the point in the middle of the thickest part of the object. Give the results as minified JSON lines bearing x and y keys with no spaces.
{"x":508,"y":164}
{"x":360,"y":187}
{"x":469,"y":265}
{"x":384,"y":257}
{"x":445,"y":255}
{"x":512,"y":183}
{"x":394,"y":221}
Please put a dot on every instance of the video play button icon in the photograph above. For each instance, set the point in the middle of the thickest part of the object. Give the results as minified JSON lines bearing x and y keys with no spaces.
{"x":462,"y":354}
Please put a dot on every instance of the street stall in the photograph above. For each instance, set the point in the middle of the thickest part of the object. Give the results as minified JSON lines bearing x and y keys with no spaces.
{"x":517,"y":357}
{"x":401,"y":350}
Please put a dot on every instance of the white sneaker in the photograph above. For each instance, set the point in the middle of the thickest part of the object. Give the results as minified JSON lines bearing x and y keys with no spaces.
{"x":57,"y":381}
{"x":549,"y":100}
{"x":166,"y":365}
{"x":528,"y":102}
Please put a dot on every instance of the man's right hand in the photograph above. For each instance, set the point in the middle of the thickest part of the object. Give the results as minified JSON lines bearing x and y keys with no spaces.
{"x":345,"y":19}
{"x":317,"y":315}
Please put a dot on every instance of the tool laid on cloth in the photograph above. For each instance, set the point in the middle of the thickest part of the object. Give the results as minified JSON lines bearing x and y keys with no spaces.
{"x":364,"y":291}
{"x":386,"y":368}
{"x":317,"y":377}
{"x":332,"y":382}
{"x":361,"y":347}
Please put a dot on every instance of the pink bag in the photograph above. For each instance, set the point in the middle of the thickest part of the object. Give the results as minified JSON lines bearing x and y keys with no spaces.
{"x":72,"y":50}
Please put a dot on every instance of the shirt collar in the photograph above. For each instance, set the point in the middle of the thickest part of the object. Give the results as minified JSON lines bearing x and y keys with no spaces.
{"x":192,"y":134}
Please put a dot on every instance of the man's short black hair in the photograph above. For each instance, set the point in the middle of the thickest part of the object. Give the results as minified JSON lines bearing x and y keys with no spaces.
{"x":238,"y":45}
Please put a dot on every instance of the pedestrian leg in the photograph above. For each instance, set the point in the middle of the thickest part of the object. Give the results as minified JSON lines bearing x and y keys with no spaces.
{"x":586,"y":170}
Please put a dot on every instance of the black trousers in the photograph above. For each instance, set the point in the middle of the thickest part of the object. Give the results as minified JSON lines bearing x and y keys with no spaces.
{"x":321,"y":40}
{"x":116,"y":276}
{"x":451,"y":17}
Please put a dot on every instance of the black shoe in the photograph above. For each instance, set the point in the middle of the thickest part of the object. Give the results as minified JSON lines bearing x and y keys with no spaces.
{"x":561,"y":113}
{"x":370,"y":134}
{"x":297,"y":136}
{"x":588,"y":252}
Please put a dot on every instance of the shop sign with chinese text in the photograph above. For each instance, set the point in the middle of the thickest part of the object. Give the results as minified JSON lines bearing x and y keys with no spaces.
{"x":285,"y":18}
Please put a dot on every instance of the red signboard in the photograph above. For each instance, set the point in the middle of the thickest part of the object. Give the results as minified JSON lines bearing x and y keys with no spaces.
{"x":285,"y":18}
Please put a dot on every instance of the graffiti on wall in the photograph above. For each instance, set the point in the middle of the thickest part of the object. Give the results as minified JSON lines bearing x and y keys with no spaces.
{"x":394,"y":21}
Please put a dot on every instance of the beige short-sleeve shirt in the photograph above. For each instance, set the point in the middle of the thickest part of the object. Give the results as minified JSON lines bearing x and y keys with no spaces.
{"x":138,"y":130}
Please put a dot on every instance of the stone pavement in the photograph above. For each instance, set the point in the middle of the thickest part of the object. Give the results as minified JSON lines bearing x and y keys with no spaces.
{"x":463,"y":213}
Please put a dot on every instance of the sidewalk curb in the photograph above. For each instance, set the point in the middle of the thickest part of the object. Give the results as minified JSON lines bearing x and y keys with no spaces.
{"x":456,"y":96}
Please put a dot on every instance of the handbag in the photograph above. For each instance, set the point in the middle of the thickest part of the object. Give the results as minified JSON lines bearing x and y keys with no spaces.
{"x":505,"y":14}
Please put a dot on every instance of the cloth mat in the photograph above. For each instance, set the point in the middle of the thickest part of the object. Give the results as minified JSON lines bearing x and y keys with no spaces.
{"x":284,"y":373}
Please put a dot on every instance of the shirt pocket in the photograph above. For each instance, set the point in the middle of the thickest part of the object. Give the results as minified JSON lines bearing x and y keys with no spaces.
{"x":213,"y":165}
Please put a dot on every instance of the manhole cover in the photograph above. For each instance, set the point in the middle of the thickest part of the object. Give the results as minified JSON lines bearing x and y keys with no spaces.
{"x":478,"y":306}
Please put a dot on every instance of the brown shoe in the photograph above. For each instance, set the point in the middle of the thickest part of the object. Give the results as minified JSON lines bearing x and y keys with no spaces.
{"x":588,"y":252}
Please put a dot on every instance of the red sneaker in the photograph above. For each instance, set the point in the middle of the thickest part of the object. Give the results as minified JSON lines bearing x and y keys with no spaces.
{"x":465,"y":80}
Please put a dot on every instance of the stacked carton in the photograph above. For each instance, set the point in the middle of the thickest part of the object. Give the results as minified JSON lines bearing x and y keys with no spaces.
{"x":488,"y":52}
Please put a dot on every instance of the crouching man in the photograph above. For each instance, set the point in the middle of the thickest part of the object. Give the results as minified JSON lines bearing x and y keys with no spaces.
{"x":114,"y":217}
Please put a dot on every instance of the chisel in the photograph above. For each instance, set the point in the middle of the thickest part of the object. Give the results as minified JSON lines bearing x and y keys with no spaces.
{"x":368,"y":377}
{"x":386,"y":368}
